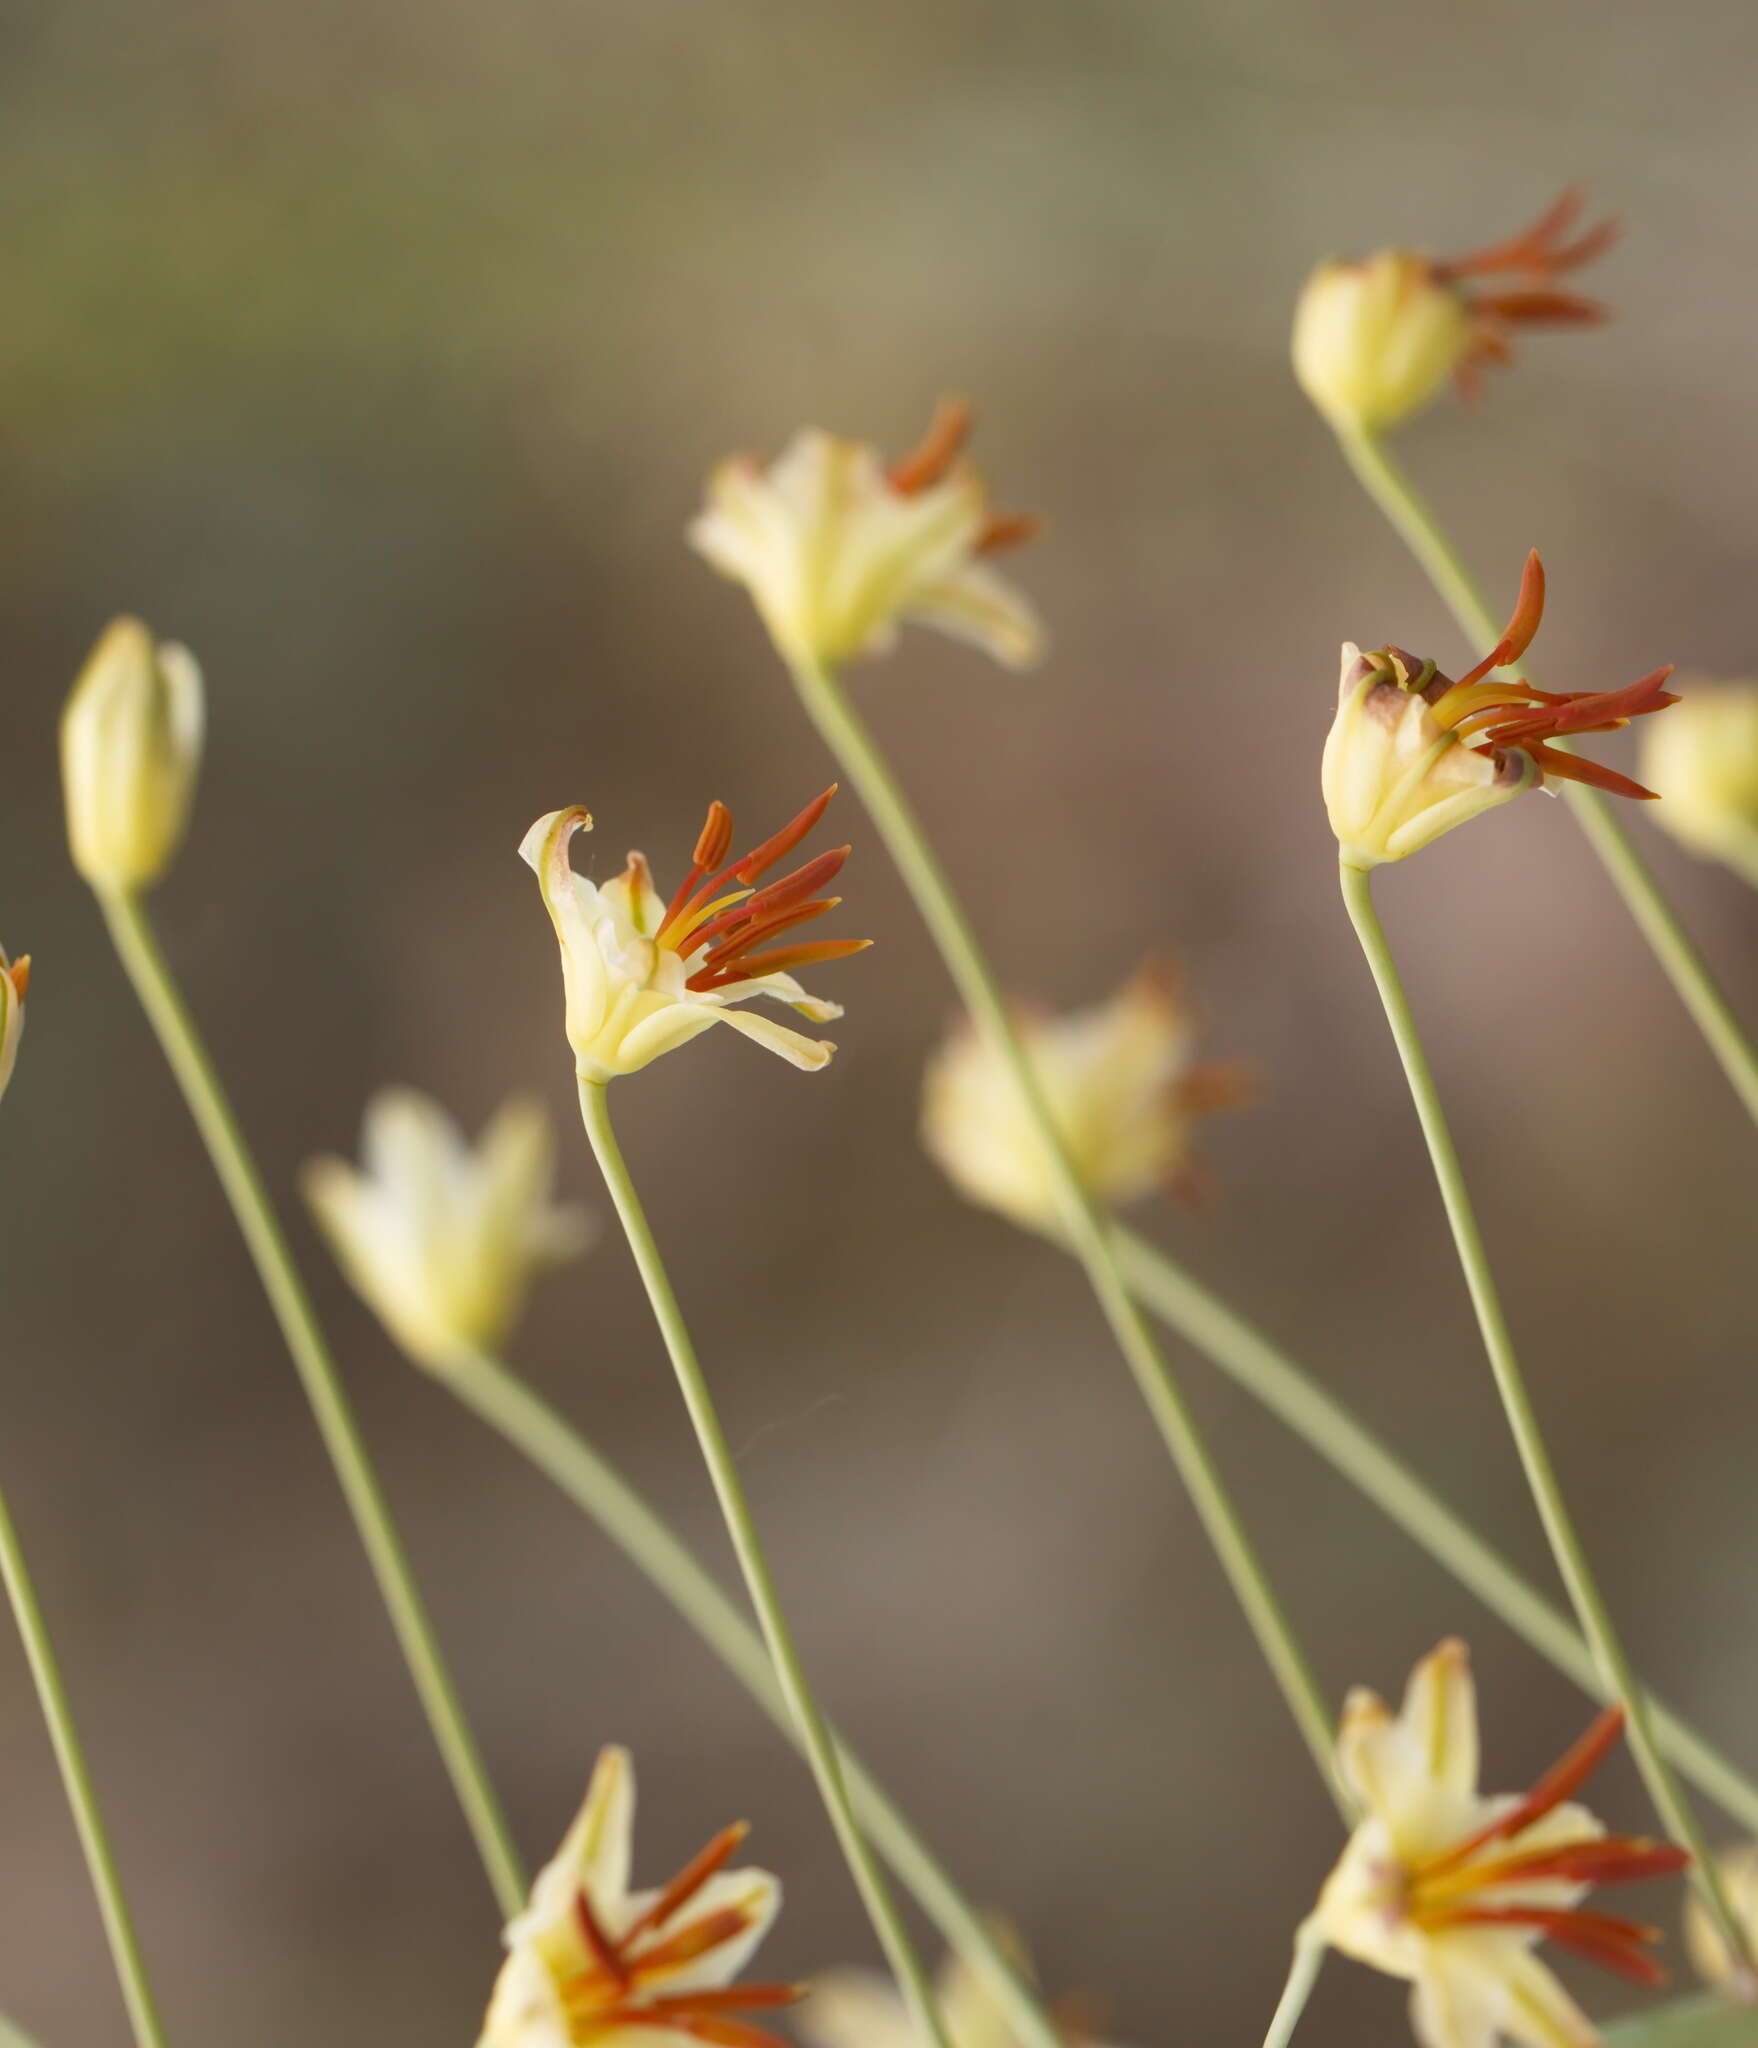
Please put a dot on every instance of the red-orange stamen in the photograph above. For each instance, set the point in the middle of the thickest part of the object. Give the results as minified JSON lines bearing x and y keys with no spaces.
{"x":928,"y":462}
{"x":804,"y":881}
{"x":1520,"y":630}
{"x":1003,"y":530}
{"x":731,"y":1998}
{"x":694,"y":1940}
{"x":1563,"y":1778}
{"x":1539,"y":251}
{"x":778,"y":960}
{"x":1614,"y":1944}
{"x":599,"y":1945}
{"x":19,"y":974}
{"x":690,"y":1880}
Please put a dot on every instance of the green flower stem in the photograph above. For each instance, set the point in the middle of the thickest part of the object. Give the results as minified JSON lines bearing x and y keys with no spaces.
{"x":1296,"y":1399}
{"x":269,"y":1251}
{"x":588,"y":1479}
{"x":1392,"y":491}
{"x":815,"y":1736}
{"x":860,"y":759}
{"x":143,"y":2015}
{"x":1547,"y":1494}
{"x":1309,"y":1958}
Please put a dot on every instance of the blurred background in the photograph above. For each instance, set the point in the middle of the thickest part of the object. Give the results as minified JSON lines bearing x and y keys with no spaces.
{"x":378,"y":351}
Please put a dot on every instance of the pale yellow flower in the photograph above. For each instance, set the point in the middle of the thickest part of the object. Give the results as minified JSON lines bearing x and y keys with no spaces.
{"x":15,"y":979}
{"x":642,"y":976}
{"x":1703,"y":761}
{"x":1412,"y":754}
{"x":1121,"y":1085}
{"x":837,"y":550}
{"x":861,"y":2009}
{"x":1374,"y":340}
{"x":1718,"y":1968}
{"x":591,"y":1964}
{"x":442,"y":1241}
{"x":1453,"y":1890}
{"x":130,"y":746}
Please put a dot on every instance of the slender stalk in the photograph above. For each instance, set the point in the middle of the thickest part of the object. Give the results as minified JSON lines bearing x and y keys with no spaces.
{"x":1390,"y":489}
{"x":1309,"y":1959}
{"x":262,"y":1233}
{"x":12,"y":2035}
{"x":588,"y":1479}
{"x":1296,"y":1399}
{"x":143,"y":2015}
{"x":855,"y":750}
{"x":741,"y":1527}
{"x":1547,"y":1494}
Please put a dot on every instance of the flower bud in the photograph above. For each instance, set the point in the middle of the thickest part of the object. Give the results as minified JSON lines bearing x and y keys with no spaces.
{"x":1120,"y":1083}
{"x":130,"y":746}
{"x":1703,"y":761}
{"x":1718,"y":1968}
{"x":441,"y":1241}
{"x":15,"y":978}
{"x":1375,"y":340}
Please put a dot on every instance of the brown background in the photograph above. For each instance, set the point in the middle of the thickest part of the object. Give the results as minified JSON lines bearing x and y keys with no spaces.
{"x":377,"y":350}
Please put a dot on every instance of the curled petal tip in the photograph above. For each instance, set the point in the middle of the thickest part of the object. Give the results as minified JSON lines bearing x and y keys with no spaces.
{"x":551,"y":828}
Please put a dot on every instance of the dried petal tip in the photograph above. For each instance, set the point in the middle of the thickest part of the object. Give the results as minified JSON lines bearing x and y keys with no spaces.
{"x":1376,"y":339}
{"x":838,"y":550}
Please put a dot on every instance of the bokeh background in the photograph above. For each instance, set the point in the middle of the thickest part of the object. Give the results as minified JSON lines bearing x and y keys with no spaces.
{"x":378,"y":351}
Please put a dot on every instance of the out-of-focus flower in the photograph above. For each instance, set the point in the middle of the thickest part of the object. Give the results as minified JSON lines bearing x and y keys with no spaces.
{"x":837,"y":550}
{"x":15,"y":979}
{"x":442,"y":1241}
{"x":1411,"y":753}
{"x":1122,"y":1088}
{"x":643,"y":976}
{"x":860,"y":2009}
{"x":1453,"y":1891}
{"x":1375,"y":339}
{"x":1704,"y":762}
{"x":1716,"y":1965}
{"x":130,"y":747}
{"x":591,"y":1964}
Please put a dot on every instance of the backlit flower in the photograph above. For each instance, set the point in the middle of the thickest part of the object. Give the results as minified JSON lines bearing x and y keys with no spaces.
{"x":643,"y":975}
{"x":591,"y":1964}
{"x":1704,"y":762}
{"x":1729,"y":1975}
{"x":130,"y":746}
{"x":441,"y":1240}
{"x":861,"y":2009}
{"x":15,"y":979}
{"x":1411,"y":753}
{"x":1454,"y":1891}
{"x":1375,"y":339}
{"x":837,"y":549}
{"x":1122,"y":1087}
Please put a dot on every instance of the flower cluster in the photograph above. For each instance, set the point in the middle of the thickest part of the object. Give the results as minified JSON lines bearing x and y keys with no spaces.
{"x":643,"y":975}
{"x":1411,"y":753}
{"x":592,"y":1964}
{"x":1453,"y":1891}
{"x":838,"y":548}
{"x":1121,"y":1084}
{"x":1376,"y":338}
{"x":442,"y":1241}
